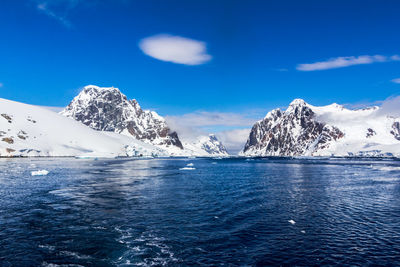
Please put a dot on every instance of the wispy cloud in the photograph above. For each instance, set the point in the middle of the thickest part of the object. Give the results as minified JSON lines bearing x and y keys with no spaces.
{"x":1,"y":85}
{"x":54,"y":109}
{"x":341,"y":62}
{"x":191,"y":125}
{"x":175,"y":49}
{"x":280,"y":69}
{"x":234,"y":140}
{"x":390,"y":107}
{"x":57,"y":9}
{"x":397,"y":80}
{"x":206,"y":118}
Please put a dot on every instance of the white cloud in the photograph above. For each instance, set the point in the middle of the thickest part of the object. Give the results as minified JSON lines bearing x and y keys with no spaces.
{"x":341,"y":62}
{"x":390,"y":107}
{"x":234,"y":140}
{"x":191,"y":125}
{"x":206,"y":118}
{"x":397,"y":80}
{"x":175,"y":49}
{"x":395,"y":58}
{"x":1,"y":85}
{"x":54,"y":109}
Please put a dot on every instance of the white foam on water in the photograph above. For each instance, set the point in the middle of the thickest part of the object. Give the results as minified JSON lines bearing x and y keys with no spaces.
{"x":190,"y":164}
{"x":48,"y":247}
{"x":144,"y":243}
{"x":387,"y":168}
{"x":75,"y":255}
{"x":292,"y":222}
{"x":187,"y":169}
{"x":39,"y":173}
{"x":46,"y":264}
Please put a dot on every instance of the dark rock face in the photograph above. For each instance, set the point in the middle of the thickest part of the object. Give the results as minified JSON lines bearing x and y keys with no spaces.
{"x":294,"y":132}
{"x":107,"y":109}
{"x":213,"y":146}
{"x":396,"y":130}
{"x":370,"y":132}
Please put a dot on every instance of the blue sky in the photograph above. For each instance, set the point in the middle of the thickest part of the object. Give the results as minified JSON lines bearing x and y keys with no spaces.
{"x":252,"y":56}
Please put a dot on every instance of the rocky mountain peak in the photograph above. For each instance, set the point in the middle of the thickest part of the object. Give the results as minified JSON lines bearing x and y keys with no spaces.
{"x":298,"y":102}
{"x":299,"y":108}
{"x":107,"y":109}
{"x":214,"y":146}
{"x":294,"y":132}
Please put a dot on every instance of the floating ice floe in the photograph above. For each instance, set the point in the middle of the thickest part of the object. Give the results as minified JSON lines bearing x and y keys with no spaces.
{"x":292,"y":222}
{"x":39,"y":172}
{"x":187,"y":169}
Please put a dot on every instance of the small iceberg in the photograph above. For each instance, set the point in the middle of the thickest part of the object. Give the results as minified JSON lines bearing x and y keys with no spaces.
{"x":187,"y":169}
{"x":190,"y":164}
{"x":39,"y":173}
{"x":292,"y":222}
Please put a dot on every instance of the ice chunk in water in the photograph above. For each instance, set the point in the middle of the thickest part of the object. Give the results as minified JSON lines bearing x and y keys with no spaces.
{"x":39,"y":172}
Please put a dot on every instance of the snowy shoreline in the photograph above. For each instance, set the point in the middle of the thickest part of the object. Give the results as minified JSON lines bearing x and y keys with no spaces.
{"x":205,"y":157}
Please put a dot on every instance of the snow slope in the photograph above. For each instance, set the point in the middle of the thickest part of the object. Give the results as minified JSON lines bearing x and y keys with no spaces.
{"x":306,"y":130}
{"x":107,"y":109}
{"x":27,"y":130}
{"x":205,"y":146}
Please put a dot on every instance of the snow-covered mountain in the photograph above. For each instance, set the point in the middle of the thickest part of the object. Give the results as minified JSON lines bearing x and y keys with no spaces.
{"x":27,"y":130}
{"x":205,"y":145}
{"x":306,"y":130}
{"x":107,"y":109}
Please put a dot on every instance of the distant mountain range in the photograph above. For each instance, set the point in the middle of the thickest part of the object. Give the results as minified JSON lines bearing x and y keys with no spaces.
{"x":104,"y":113}
{"x":306,"y":130}
{"x":102,"y":122}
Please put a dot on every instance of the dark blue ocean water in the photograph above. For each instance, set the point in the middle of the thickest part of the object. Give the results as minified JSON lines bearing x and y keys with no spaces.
{"x":233,"y":212}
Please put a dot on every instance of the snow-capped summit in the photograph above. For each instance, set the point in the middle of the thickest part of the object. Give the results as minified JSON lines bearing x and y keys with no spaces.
{"x":205,"y":145}
{"x":306,"y":130}
{"x":31,"y":131}
{"x":107,"y":109}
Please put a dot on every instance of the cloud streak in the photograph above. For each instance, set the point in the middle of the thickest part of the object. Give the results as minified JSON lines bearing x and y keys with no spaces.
{"x":57,"y":9}
{"x":206,"y":118}
{"x":175,"y":49}
{"x":342,"y":62}
{"x":397,"y":80}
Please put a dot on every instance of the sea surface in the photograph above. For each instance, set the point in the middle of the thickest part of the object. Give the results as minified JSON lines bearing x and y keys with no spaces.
{"x":232,"y":212}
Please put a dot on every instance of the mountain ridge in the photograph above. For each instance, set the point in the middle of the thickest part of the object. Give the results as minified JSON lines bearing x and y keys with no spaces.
{"x":107,"y":109}
{"x":332,"y":130}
